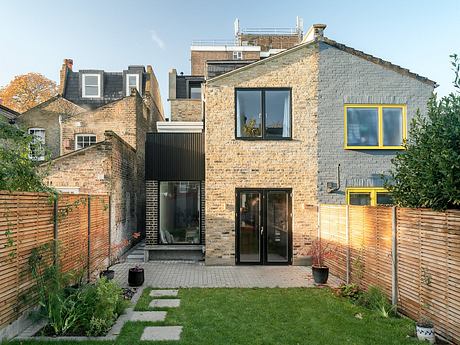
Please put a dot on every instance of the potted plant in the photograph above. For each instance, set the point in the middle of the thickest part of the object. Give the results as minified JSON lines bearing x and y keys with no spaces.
{"x":424,"y":326}
{"x":113,"y":259}
{"x":318,"y":252}
{"x":425,"y":330}
{"x":136,"y":276}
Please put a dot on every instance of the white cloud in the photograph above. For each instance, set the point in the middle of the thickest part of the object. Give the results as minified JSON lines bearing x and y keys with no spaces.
{"x":157,"y":39}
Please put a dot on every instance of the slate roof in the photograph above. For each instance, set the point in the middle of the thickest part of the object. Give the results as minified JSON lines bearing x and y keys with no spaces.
{"x":112,"y":83}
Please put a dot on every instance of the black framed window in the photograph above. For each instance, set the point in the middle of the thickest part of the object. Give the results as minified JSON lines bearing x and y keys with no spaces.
{"x":194,"y":90}
{"x":179,"y":212}
{"x":263,"y":113}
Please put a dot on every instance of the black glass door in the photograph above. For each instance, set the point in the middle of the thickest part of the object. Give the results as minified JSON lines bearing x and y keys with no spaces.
{"x":263,"y":226}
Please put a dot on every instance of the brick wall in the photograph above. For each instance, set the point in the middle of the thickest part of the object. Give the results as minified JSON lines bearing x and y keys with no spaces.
{"x":346,"y":78}
{"x":151,"y":227}
{"x":199,"y":58}
{"x":109,"y":167}
{"x":267,"y":42}
{"x":46,"y":116}
{"x":232,"y":163}
{"x":186,"y":110}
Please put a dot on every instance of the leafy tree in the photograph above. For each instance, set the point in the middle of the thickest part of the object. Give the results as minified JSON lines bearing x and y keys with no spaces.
{"x":427,"y":174}
{"x":17,"y":171}
{"x":26,"y":91}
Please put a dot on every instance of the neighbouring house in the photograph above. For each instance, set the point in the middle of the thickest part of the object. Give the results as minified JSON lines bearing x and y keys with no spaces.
{"x":318,"y":122}
{"x":95,"y":130}
{"x":7,"y":114}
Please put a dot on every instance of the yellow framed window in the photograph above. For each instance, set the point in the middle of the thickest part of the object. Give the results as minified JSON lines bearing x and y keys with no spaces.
{"x":375,"y":126}
{"x":368,"y":196}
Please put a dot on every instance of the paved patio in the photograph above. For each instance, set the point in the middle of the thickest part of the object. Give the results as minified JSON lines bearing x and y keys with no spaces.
{"x":177,"y":274}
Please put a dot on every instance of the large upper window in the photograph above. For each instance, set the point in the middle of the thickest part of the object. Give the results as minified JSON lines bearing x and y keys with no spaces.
{"x":263,"y":113}
{"x":179,"y":211}
{"x":37,"y":144}
{"x":91,"y":85}
{"x":368,"y":196}
{"x":84,"y":140}
{"x":132,"y":81}
{"x":375,"y":126}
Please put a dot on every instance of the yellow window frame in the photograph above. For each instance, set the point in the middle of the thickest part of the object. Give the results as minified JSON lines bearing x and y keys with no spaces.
{"x":380,"y":124}
{"x":372,"y":191}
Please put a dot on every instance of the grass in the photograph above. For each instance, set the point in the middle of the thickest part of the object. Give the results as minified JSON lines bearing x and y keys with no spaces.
{"x":268,"y":316}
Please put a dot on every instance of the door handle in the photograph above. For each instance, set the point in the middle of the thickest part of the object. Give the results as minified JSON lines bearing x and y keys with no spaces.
{"x":261,"y":230}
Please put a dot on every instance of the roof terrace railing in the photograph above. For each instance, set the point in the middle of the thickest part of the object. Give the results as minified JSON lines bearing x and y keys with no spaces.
{"x":270,"y":31}
{"x":218,"y":42}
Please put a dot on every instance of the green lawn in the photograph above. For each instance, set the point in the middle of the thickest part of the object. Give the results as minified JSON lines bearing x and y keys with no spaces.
{"x":269,"y":316}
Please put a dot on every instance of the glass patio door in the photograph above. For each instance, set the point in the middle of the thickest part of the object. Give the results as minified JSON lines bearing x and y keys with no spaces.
{"x":263,"y":226}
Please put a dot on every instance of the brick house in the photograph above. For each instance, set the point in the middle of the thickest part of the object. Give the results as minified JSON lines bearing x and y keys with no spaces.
{"x":316,"y":123}
{"x":95,"y":130}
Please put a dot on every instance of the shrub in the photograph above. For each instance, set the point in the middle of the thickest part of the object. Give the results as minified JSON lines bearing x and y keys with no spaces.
{"x":374,"y":298}
{"x":351,"y":291}
{"x":81,"y":309}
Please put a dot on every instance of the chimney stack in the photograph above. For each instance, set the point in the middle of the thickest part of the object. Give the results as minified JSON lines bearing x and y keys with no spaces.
{"x":315,"y":33}
{"x":68,"y":63}
{"x":66,"y":66}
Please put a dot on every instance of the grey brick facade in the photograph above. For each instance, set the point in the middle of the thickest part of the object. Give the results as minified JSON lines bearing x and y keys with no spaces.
{"x":347,"y":78}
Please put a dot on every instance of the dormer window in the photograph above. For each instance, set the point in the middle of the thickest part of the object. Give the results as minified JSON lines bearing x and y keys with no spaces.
{"x":132,"y":81}
{"x":91,"y":85}
{"x":237,"y":55}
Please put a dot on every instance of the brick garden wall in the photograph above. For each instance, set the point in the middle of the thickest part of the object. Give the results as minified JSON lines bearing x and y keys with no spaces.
{"x":232,"y":163}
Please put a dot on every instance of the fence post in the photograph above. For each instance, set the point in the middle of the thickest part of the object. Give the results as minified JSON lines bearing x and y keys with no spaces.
{"x":88,"y":263}
{"x":110,"y":229}
{"x":347,"y":235}
{"x":55,"y":229}
{"x":394,"y":258}
{"x":318,"y":229}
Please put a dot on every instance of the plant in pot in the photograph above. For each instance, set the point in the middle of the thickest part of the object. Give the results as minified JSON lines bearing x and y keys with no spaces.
{"x":113,"y":259}
{"x":319,"y":252}
{"x":136,"y":273}
{"x":424,"y":326}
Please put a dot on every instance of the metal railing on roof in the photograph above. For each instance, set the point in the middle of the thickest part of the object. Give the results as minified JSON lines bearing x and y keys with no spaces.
{"x":270,"y":31}
{"x":218,"y":42}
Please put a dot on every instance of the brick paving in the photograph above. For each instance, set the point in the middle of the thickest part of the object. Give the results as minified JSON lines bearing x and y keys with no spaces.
{"x":177,"y":274}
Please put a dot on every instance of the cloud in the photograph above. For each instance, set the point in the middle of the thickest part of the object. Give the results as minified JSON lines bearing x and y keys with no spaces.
{"x":157,"y":39}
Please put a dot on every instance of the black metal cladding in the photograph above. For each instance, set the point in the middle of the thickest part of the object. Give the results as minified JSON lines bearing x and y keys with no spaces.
{"x":174,"y":156}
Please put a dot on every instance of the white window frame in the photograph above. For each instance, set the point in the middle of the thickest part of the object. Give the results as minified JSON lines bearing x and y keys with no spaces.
{"x":128,"y":89}
{"x":42,"y":157}
{"x":237,"y":55}
{"x":83,"y":135}
{"x":83,"y":85}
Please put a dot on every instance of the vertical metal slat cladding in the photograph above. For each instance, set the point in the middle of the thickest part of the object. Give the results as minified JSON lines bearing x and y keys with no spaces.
{"x":174,"y":156}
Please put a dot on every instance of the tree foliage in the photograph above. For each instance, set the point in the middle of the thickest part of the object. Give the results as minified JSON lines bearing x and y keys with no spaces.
{"x":26,"y":91}
{"x":17,"y":171}
{"x":427,"y":174}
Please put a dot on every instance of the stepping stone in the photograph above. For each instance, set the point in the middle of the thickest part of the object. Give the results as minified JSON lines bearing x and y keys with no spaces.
{"x":148,"y":316}
{"x":161,"y":333}
{"x":161,"y":293}
{"x":165,"y":303}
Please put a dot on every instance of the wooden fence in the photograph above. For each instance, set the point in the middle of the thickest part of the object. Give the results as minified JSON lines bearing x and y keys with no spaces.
{"x":79,"y":223}
{"x":412,"y":254}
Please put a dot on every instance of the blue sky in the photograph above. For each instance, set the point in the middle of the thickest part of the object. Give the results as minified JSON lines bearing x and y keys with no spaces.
{"x":36,"y":36}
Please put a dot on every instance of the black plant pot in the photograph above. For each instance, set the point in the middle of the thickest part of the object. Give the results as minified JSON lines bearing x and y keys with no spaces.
{"x":320,"y":274}
{"x":109,"y":274}
{"x":136,"y":276}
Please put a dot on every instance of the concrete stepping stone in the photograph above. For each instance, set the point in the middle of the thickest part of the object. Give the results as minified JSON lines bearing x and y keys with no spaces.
{"x":161,"y":293}
{"x":148,"y":316}
{"x":165,"y":303}
{"x":155,"y":333}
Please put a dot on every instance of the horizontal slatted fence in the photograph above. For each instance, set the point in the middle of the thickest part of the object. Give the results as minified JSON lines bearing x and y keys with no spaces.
{"x":27,"y":221}
{"x":428,"y":257}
